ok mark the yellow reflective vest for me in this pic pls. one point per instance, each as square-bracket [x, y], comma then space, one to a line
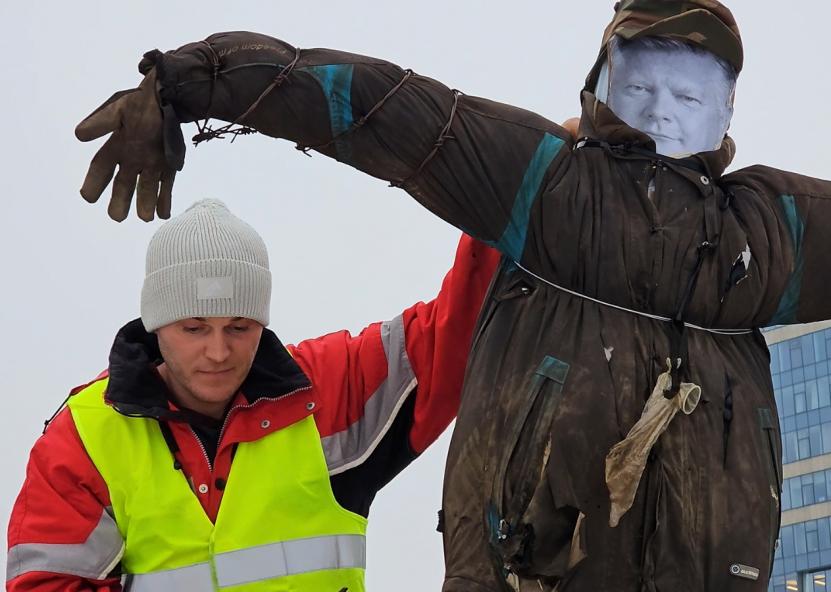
[279, 527]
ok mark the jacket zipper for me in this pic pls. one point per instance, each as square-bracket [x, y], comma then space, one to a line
[228, 416]
[202, 448]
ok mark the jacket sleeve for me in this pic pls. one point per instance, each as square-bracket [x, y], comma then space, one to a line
[793, 212]
[61, 537]
[476, 163]
[417, 359]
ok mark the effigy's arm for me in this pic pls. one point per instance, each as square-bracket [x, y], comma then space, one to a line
[475, 163]
[796, 213]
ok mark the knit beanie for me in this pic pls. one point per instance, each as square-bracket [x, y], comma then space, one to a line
[205, 262]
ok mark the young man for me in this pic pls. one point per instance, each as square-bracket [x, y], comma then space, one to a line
[630, 259]
[209, 456]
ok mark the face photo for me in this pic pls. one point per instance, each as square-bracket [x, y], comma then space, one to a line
[679, 96]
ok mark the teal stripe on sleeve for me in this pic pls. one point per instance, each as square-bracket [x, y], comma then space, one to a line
[786, 312]
[512, 242]
[336, 82]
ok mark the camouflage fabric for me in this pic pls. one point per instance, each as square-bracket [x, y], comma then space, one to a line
[706, 23]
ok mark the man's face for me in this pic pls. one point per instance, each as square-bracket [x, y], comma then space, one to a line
[681, 99]
[207, 359]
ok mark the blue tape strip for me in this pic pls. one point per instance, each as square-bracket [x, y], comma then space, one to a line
[336, 82]
[789, 303]
[493, 524]
[512, 242]
[553, 369]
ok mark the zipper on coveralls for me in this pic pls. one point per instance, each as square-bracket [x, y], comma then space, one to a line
[727, 418]
[655, 227]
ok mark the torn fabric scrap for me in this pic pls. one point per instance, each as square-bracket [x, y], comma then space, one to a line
[627, 459]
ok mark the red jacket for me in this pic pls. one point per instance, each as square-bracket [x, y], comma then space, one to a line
[378, 398]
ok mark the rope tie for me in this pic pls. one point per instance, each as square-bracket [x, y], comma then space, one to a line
[639, 313]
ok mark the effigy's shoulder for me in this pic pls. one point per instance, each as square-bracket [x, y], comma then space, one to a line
[771, 182]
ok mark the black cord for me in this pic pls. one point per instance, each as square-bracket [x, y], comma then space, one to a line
[171, 445]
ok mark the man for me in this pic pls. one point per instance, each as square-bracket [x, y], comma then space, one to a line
[631, 264]
[209, 456]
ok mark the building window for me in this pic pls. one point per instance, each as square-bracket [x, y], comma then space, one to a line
[811, 536]
[799, 538]
[820, 489]
[790, 447]
[795, 487]
[807, 490]
[804, 445]
[815, 436]
[784, 358]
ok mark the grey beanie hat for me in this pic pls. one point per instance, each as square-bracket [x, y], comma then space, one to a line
[205, 262]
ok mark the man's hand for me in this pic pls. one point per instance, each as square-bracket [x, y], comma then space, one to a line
[571, 126]
[136, 147]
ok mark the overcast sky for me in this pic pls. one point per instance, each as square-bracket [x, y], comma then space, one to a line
[345, 249]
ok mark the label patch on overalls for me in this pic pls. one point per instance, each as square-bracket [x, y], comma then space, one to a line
[744, 571]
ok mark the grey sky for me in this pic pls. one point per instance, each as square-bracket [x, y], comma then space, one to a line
[345, 249]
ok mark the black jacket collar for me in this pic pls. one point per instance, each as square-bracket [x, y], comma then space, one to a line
[136, 389]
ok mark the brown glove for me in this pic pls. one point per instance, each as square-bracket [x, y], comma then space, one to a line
[137, 146]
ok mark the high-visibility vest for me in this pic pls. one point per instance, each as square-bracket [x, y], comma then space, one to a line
[279, 527]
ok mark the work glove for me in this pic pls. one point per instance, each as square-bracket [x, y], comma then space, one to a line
[146, 145]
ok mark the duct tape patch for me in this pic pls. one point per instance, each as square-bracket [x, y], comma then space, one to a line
[744, 571]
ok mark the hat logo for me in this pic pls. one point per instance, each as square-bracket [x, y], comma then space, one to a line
[214, 288]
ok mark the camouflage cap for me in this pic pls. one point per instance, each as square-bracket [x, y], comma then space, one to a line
[706, 23]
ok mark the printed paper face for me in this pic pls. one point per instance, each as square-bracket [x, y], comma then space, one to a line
[681, 99]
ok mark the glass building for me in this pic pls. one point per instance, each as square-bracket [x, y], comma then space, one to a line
[800, 366]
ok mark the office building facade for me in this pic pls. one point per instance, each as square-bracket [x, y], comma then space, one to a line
[801, 371]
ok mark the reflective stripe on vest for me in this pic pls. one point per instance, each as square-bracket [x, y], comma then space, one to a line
[279, 527]
[261, 563]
